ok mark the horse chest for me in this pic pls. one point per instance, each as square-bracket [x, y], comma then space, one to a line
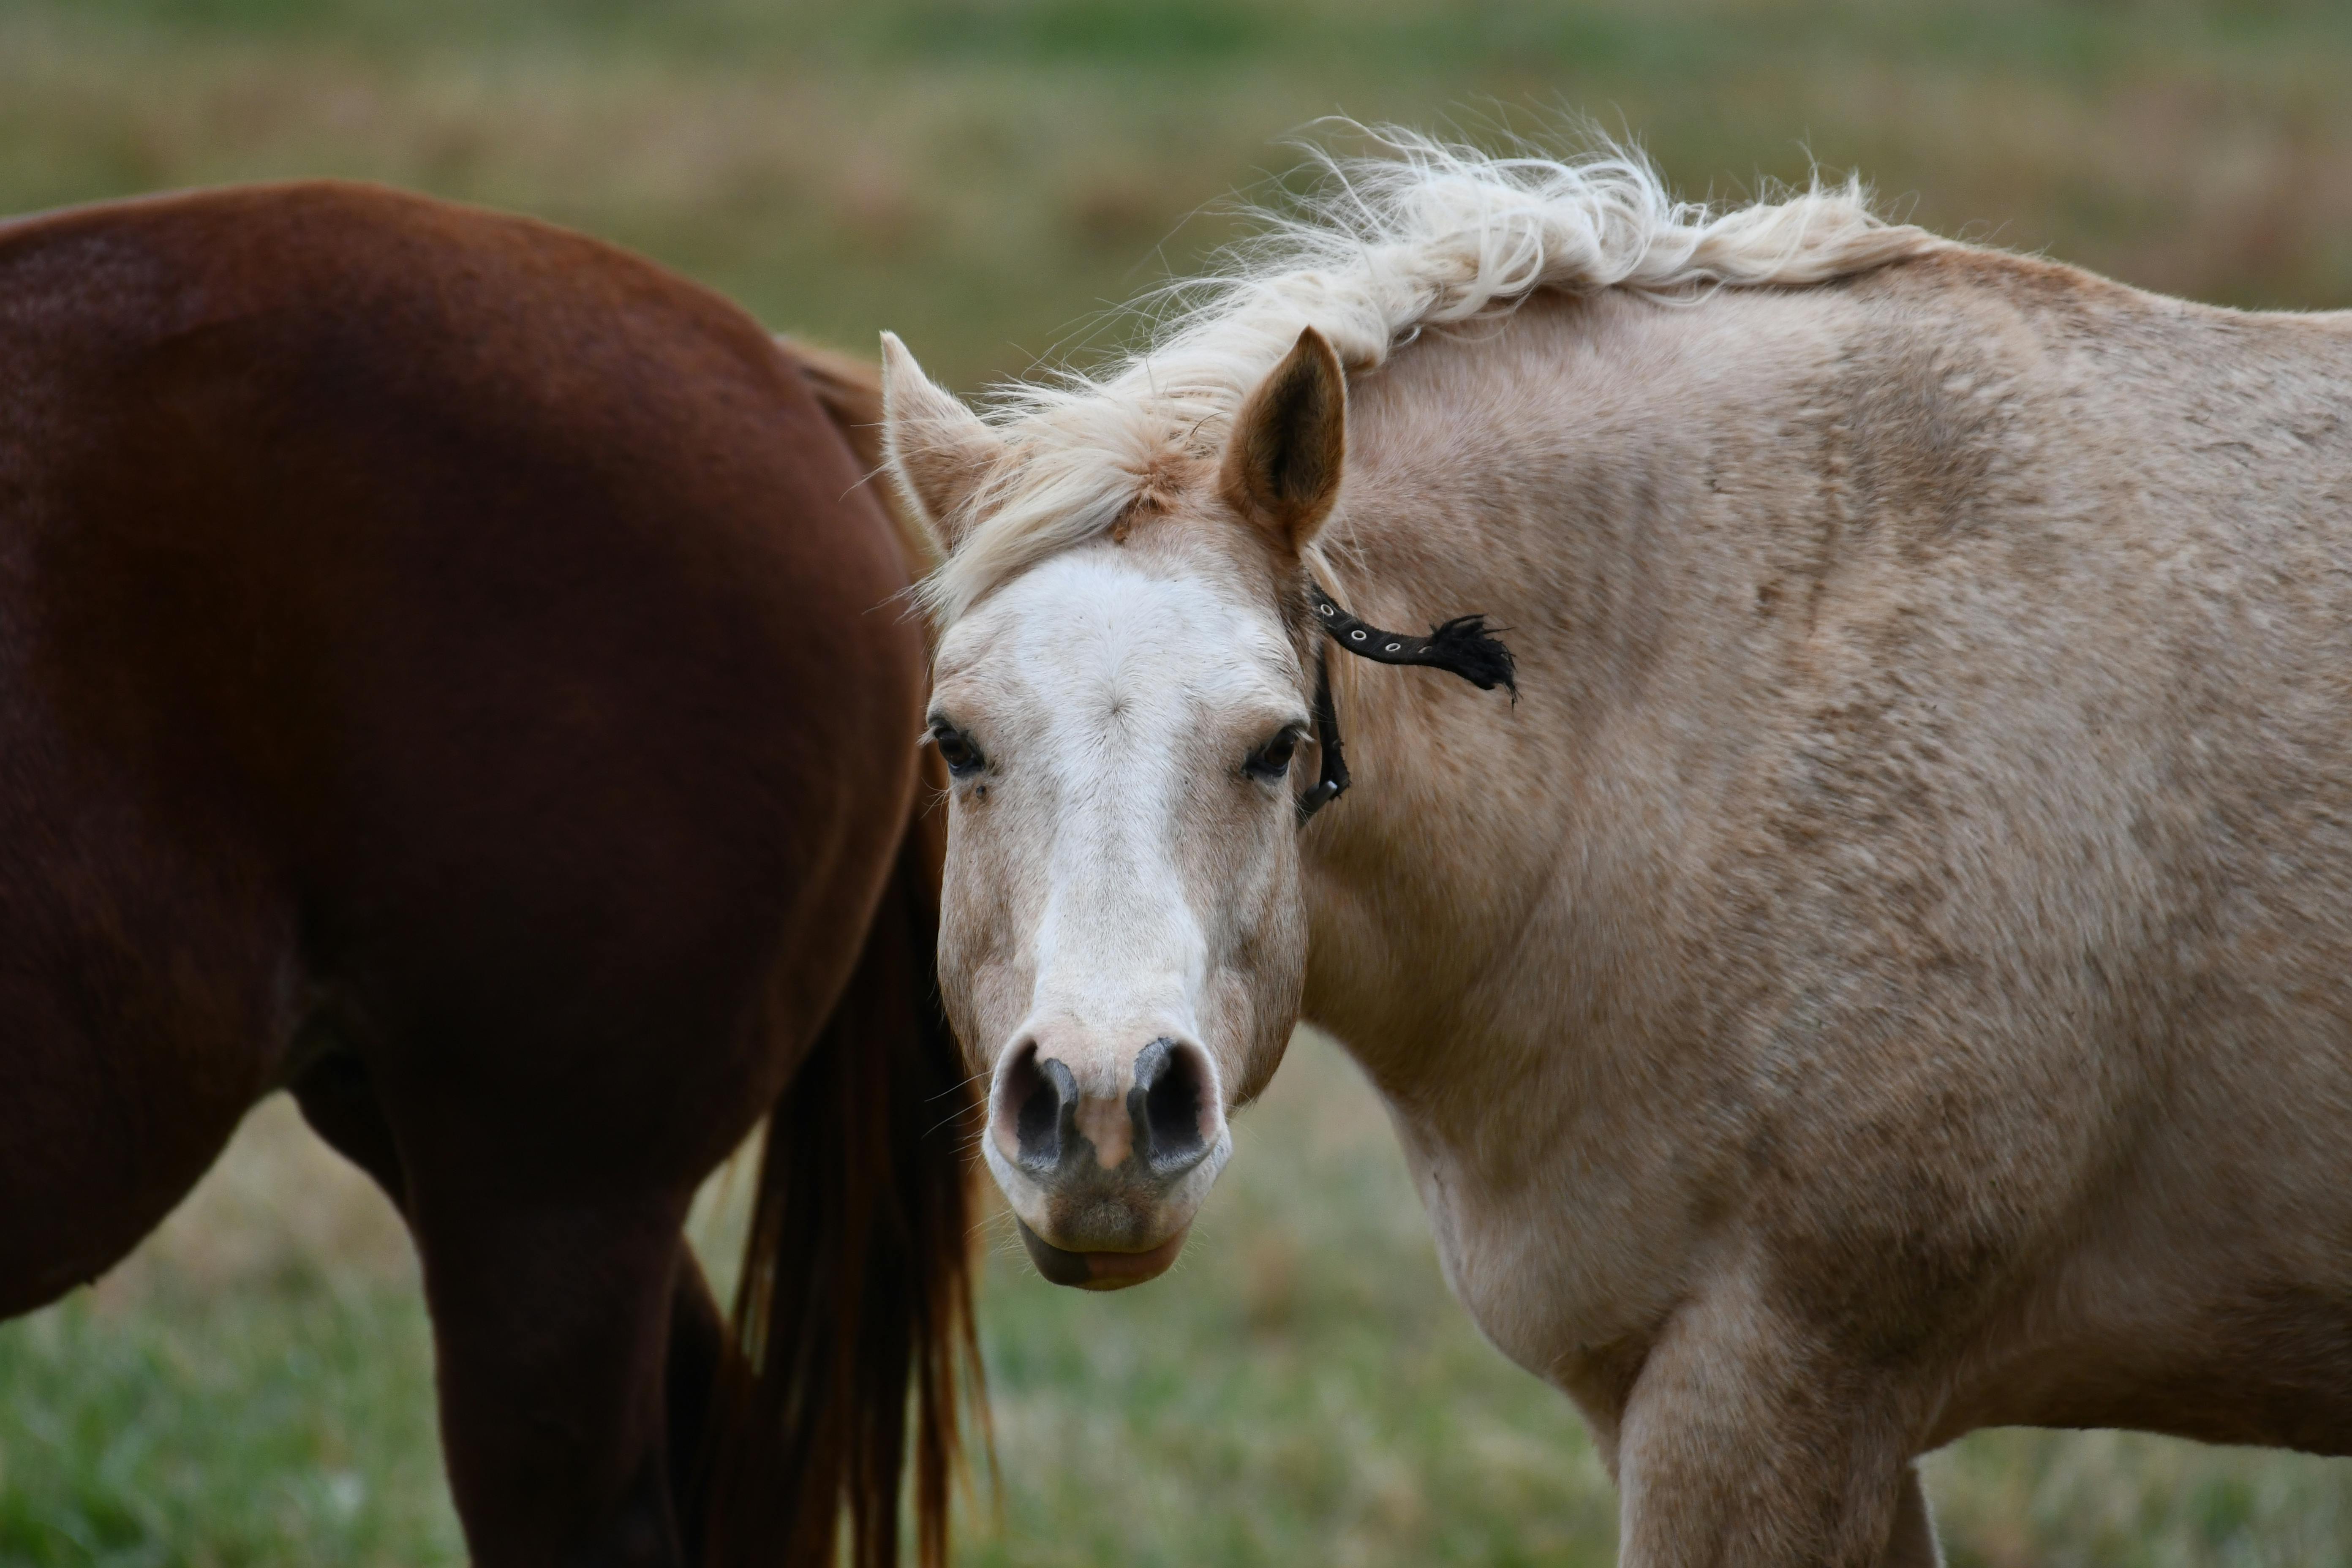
[1553, 1267]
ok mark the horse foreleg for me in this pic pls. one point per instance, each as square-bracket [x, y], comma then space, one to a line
[1741, 1448]
[551, 1335]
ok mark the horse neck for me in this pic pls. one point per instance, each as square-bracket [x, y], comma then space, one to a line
[1499, 876]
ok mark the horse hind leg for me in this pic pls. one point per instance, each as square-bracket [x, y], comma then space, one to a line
[552, 1294]
[1913, 1543]
[340, 1103]
[342, 1106]
[551, 1323]
[697, 1353]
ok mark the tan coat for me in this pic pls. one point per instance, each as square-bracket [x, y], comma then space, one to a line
[1894, 966]
[1890, 971]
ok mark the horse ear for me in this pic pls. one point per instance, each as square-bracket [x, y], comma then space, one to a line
[1290, 444]
[938, 450]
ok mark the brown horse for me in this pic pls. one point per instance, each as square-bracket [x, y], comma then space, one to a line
[449, 669]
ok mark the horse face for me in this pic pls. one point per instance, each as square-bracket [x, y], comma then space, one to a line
[1122, 934]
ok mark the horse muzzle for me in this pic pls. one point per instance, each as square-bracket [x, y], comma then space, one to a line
[1105, 1185]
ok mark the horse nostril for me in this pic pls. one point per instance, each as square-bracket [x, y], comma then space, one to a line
[1169, 1104]
[1043, 1099]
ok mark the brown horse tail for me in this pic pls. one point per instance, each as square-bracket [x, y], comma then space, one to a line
[850, 390]
[856, 1282]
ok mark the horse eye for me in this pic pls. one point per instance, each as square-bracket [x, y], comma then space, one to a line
[956, 749]
[1272, 759]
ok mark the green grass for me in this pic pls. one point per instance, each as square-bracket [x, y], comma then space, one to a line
[989, 177]
[255, 1388]
[284, 1426]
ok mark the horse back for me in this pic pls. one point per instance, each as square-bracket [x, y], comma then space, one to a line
[2083, 643]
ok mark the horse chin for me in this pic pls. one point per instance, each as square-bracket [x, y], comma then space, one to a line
[1100, 1270]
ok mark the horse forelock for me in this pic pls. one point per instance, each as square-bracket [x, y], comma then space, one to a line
[1421, 234]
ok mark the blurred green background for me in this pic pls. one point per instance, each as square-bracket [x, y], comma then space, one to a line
[989, 177]
[984, 176]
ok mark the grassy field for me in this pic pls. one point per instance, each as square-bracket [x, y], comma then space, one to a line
[989, 177]
[254, 1387]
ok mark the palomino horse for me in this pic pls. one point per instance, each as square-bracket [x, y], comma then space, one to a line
[1889, 974]
[448, 673]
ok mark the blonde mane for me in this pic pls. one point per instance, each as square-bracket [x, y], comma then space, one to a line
[1423, 234]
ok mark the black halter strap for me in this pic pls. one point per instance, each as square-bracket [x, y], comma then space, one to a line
[1333, 784]
[1462, 645]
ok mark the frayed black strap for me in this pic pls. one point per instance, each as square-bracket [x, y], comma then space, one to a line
[1462, 645]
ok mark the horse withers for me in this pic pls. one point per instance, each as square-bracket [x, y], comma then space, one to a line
[449, 668]
[1889, 973]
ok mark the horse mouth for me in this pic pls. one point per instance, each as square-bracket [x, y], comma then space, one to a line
[1099, 1270]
